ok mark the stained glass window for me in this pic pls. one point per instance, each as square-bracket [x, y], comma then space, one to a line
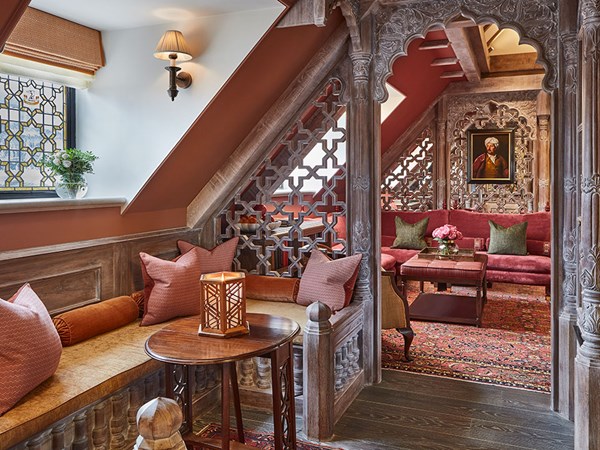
[33, 123]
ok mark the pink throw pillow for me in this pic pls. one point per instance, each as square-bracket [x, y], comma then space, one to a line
[328, 281]
[172, 288]
[30, 348]
[219, 259]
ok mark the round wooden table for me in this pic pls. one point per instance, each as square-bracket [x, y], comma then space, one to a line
[178, 344]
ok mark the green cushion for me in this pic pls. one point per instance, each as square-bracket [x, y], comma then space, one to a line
[410, 235]
[508, 241]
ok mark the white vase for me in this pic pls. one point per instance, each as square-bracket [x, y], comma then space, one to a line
[68, 190]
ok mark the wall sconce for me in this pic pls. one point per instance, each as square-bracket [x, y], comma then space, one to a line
[172, 47]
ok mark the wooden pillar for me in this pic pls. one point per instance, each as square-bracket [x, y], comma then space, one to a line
[566, 182]
[363, 196]
[542, 154]
[318, 361]
[441, 157]
[587, 363]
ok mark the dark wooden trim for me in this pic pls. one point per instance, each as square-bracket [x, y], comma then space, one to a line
[11, 23]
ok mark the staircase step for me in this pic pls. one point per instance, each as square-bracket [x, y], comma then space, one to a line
[434, 45]
[444, 62]
[454, 74]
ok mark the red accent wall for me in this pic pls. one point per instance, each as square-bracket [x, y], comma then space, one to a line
[414, 76]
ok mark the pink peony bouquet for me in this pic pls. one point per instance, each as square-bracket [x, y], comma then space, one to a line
[446, 233]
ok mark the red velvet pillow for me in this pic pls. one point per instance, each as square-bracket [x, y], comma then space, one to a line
[219, 259]
[30, 348]
[328, 281]
[172, 288]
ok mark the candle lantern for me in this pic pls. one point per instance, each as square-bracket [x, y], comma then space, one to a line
[223, 304]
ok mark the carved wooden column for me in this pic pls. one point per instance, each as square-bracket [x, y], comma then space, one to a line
[567, 210]
[587, 363]
[542, 153]
[363, 202]
[441, 156]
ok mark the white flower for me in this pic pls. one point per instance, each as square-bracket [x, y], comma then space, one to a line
[56, 161]
[62, 155]
[66, 163]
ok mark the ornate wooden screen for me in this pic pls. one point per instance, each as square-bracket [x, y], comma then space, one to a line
[408, 185]
[513, 112]
[295, 201]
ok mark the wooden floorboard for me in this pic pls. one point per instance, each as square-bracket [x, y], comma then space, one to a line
[408, 411]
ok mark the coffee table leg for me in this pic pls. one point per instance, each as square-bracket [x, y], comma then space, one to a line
[225, 420]
[284, 412]
[236, 402]
[478, 306]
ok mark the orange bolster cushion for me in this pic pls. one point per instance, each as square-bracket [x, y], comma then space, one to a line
[89, 321]
[272, 289]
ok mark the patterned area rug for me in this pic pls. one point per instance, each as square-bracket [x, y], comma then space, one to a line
[512, 348]
[257, 439]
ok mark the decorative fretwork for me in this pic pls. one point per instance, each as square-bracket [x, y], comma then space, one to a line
[295, 201]
[408, 185]
[507, 198]
[32, 124]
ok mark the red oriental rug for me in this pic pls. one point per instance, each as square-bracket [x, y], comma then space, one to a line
[512, 348]
[260, 440]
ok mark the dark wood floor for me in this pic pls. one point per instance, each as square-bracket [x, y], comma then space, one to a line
[419, 412]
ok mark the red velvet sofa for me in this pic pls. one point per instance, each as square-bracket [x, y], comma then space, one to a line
[533, 268]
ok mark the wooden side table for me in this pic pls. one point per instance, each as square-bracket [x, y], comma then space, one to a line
[181, 348]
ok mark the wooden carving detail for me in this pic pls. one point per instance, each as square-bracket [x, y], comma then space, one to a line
[398, 22]
[408, 185]
[347, 358]
[508, 110]
[301, 185]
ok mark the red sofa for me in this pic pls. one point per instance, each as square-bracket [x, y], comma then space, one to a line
[533, 268]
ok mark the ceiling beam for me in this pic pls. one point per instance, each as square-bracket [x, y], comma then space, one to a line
[434, 45]
[464, 52]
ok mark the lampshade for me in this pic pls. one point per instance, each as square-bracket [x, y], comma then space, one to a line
[172, 43]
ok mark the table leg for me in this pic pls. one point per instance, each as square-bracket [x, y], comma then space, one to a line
[284, 412]
[484, 290]
[478, 306]
[236, 403]
[179, 385]
[225, 420]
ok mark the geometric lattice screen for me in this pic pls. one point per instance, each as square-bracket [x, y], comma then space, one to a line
[408, 185]
[295, 201]
[517, 197]
[32, 124]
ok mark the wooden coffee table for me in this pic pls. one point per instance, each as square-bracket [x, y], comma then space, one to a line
[181, 348]
[447, 307]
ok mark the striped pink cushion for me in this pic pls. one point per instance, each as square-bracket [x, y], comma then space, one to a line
[174, 287]
[219, 259]
[328, 281]
[30, 348]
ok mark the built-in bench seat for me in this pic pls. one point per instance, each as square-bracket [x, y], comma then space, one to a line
[88, 373]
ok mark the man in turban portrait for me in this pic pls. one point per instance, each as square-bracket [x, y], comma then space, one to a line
[490, 164]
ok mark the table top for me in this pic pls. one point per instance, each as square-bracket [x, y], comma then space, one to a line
[179, 342]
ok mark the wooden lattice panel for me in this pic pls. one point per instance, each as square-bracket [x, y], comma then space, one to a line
[295, 201]
[507, 198]
[408, 185]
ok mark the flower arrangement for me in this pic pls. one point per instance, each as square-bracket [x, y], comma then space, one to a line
[71, 164]
[446, 233]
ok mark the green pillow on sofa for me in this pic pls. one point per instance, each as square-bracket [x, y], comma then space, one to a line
[508, 241]
[410, 235]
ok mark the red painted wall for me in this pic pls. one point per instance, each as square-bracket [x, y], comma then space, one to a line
[421, 83]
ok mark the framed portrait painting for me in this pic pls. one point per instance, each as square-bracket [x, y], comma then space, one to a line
[491, 156]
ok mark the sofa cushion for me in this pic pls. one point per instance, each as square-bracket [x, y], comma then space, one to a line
[328, 281]
[535, 247]
[472, 223]
[91, 320]
[401, 255]
[219, 259]
[173, 286]
[410, 235]
[30, 347]
[388, 262]
[437, 218]
[508, 241]
[512, 263]
[273, 289]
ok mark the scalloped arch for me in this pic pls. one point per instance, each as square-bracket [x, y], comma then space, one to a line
[396, 25]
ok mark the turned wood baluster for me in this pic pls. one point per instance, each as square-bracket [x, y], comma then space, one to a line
[263, 376]
[118, 421]
[100, 431]
[80, 438]
[201, 379]
[246, 369]
[158, 422]
[59, 437]
[136, 400]
[339, 371]
[298, 371]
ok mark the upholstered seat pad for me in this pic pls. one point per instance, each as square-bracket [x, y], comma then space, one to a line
[292, 311]
[401, 255]
[445, 268]
[87, 372]
[388, 262]
[521, 263]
